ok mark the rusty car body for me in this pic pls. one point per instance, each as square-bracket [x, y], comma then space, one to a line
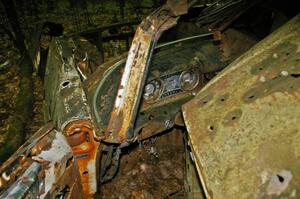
[242, 122]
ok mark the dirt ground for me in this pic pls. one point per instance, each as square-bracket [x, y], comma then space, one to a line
[152, 169]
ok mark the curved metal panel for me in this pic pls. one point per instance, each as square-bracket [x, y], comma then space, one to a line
[244, 125]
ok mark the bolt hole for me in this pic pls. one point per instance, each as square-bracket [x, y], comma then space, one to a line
[295, 75]
[260, 68]
[233, 118]
[165, 112]
[250, 97]
[287, 54]
[211, 128]
[222, 100]
[85, 173]
[151, 117]
[204, 102]
[142, 113]
[87, 138]
[280, 178]
[66, 83]
[65, 59]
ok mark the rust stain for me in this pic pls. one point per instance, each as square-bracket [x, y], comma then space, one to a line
[245, 121]
[133, 79]
[79, 135]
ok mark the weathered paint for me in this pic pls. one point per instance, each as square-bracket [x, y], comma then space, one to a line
[133, 79]
[67, 106]
[80, 137]
[244, 124]
[193, 186]
[54, 155]
[25, 184]
[65, 99]
[42, 168]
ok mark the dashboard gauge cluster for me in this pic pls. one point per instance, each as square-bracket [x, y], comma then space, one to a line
[170, 85]
[174, 77]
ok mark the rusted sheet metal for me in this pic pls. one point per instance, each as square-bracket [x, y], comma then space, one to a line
[42, 168]
[192, 183]
[244, 125]
[58, 158]
[65, 99]
[66, 105]
[219, 15]
[80, 137]
[133, 79]
[18, 162]
[27, 183]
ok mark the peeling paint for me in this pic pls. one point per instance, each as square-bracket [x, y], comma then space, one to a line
[279, 182]
[242, 141]
[130, 90]
[55, 154]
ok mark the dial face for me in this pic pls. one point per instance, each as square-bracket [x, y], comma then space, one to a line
[170, 85]
[189, 80]
[153, 90]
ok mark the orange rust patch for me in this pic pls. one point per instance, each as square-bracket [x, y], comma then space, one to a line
[79, 135]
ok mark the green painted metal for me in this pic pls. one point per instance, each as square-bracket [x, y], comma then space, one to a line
[193, 186]
[65, 99]
[244, 125]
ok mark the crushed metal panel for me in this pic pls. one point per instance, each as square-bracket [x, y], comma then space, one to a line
[43, 167]
[67, 106]
[244, 126]
[27, 184]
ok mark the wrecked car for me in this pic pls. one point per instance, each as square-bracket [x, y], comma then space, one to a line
[237, 110]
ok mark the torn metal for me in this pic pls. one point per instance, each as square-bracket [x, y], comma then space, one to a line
[44, 168]
[66, 105]
[235, 123]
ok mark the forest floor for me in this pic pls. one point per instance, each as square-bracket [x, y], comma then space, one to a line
[152, 170]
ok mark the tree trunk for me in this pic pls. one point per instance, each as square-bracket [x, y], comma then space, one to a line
[121, 7]
[12, 17]
[23, 108]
